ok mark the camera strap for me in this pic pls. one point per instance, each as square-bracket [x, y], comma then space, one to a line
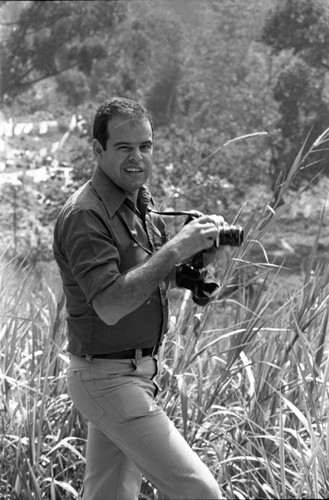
[191, 213]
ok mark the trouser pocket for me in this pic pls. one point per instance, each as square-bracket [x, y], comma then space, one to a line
[82, 394]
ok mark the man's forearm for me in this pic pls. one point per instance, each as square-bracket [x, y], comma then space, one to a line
[131, 289]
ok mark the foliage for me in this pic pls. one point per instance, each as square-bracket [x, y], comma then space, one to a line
[301, 26]
[56, 191]
[221, 85]
[223, 92]
[145, 62]
[22, 232]
[82, 161]
[29, 208]
[299, 29]
[195, 172]
[49, 38]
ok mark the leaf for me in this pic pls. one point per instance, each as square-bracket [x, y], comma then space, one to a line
[182, 388]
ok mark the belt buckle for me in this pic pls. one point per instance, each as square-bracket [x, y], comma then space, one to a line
[138, 356]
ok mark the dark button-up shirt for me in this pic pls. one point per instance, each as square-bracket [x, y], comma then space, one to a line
[98, 237]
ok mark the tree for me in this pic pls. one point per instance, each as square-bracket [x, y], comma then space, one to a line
[51, 37]
[297, 32]
[222, 92]
[22, 234]
[148, 60]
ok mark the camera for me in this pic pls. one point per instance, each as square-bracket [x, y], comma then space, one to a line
[228, 235]
[193, 275]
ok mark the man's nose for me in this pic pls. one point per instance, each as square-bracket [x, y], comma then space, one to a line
[135, 154]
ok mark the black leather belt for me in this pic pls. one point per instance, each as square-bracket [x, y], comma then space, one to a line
[127, 354]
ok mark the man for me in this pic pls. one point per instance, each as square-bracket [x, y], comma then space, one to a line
[116, 263]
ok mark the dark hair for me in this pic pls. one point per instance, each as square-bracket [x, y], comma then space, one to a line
[118, 106]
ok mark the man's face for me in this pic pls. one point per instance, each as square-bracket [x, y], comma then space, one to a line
[127, 160]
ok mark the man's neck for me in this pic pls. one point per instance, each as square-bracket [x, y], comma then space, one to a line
[132, 197]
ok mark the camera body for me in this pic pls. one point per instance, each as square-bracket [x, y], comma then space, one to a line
[192, 275]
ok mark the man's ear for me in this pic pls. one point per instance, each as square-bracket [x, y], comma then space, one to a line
[97, 149]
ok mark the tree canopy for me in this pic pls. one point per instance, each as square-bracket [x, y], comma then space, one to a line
[49, 38]
[297, 31]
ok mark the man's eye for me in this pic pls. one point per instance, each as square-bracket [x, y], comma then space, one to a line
[146, 147]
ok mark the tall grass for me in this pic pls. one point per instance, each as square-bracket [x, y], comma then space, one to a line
[42, 435]
[249, 395]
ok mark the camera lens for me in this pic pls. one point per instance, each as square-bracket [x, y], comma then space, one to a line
[231, 236]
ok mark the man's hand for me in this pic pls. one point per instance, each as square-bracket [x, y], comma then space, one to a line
[212, 254]
[198, 235]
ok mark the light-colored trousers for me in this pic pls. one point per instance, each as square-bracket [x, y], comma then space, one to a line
[129, 435]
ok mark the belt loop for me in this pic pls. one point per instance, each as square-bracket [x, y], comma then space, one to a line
[155, 350]
[138, 356]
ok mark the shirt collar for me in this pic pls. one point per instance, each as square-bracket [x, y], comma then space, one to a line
[113, 196]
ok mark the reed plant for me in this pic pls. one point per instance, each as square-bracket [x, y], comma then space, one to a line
[244, 378]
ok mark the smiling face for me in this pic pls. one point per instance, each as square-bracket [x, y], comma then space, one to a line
[127, 159]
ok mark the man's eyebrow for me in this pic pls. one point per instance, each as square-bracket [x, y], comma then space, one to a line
[122, 143]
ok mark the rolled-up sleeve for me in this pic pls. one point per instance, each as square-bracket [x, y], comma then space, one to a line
[88, 246]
